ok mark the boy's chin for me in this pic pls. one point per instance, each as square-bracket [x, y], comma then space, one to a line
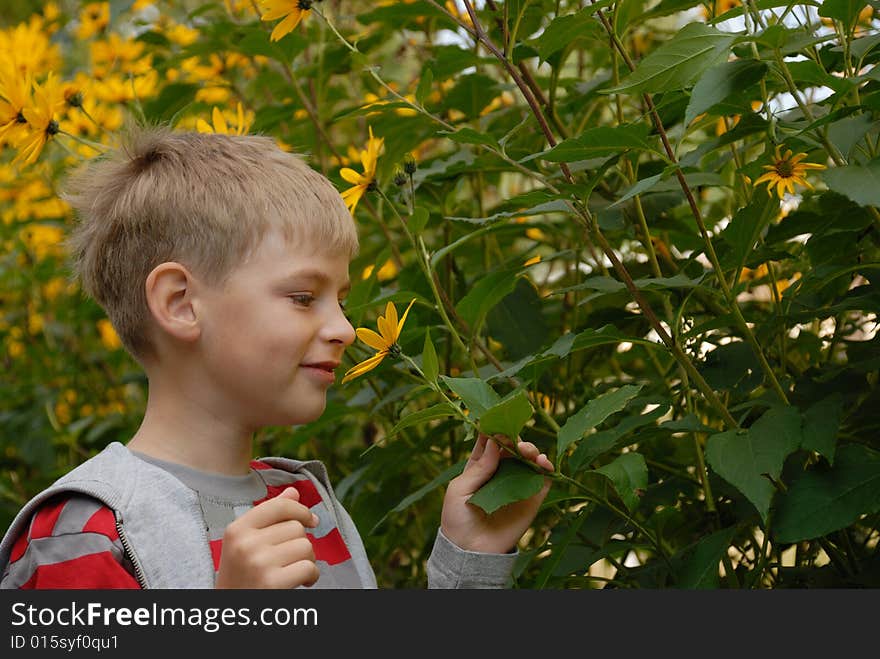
[301, 417]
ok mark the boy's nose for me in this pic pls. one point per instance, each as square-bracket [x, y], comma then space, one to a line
[342, 330]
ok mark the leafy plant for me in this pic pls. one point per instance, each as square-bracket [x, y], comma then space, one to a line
[641, 235]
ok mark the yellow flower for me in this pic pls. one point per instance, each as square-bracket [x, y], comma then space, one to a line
[786, 171]
[14, 95]
[385, 341]
[220, 125]
[108, 335]
[293, 12]
[386, 272]
[362, 182]
[47, 101]
[93, 19]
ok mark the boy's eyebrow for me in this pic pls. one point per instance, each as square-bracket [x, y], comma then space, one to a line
[317, 275]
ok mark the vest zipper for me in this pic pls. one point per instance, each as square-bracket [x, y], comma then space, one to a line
[138, 572]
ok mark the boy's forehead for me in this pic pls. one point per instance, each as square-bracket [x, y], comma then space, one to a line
[317, 275]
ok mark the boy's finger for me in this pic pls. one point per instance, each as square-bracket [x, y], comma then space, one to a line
[479, 447]
[527, 450]
[280, 509]
[304, 573]
[477, 472]
[283, 531]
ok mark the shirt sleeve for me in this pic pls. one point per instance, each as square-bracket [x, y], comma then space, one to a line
[71, 543]
[450, 566]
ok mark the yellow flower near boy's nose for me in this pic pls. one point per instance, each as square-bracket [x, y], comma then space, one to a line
[109, 337]
[385, 341]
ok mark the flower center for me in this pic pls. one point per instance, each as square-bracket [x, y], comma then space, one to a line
[394, 350]
[304, 5]
[784, 168]
[52, 128]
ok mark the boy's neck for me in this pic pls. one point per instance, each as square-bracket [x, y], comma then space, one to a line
[184, 432]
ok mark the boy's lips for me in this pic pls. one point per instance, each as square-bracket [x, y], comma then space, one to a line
[327, 365]
[322, 371]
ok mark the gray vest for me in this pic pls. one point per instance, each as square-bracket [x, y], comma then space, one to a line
[159, 519]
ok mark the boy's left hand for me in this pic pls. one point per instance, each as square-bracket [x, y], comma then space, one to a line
[469, 526]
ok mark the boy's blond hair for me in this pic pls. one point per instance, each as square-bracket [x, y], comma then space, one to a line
[202, 200]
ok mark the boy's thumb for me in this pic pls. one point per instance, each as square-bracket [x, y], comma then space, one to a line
[290, 493]
[482, 469]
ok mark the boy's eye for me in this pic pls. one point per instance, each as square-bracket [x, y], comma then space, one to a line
[304, 300]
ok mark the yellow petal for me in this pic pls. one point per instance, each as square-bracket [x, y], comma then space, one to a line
[351, 176]
[372, 339]
[287, 25]
[364, 366]
[275, 10]
[240, 116]
[219, 122]
[403, 318]
[203, 126]
[352, 196]
[386, 330]
[391, 317]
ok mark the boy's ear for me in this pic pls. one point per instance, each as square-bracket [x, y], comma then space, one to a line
[169, 288]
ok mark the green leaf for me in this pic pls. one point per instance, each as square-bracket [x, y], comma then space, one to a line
[594, 413]
[418, 220]
[570, 342]
[745, 228]
[562, 31]
[425, 82]
[485, 294]
[444, 477]
[721, 82]
[846, 11]
[173, 98]
[471, 94]
[605, 440]
[597, 142]
[629, 475]
[507, 417]
[474, 392]
[688, 423]
[470, 136]
[701, 570]
[430, 366]
[847, 133]
[512, 481]
[437, 411]
[640, 187]
[678, 62]
[827, 499]
[821, 423]
[861, 183]
[518, 321]
[743, 457]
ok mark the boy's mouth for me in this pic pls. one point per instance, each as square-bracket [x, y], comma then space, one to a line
[328, 366]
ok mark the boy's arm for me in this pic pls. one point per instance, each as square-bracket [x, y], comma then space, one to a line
[474, 549]
[450, 566]
[72, 543]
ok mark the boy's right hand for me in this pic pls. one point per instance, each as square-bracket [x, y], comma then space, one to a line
[267, 547]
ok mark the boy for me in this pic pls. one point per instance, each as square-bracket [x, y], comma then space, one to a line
[222, 262]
